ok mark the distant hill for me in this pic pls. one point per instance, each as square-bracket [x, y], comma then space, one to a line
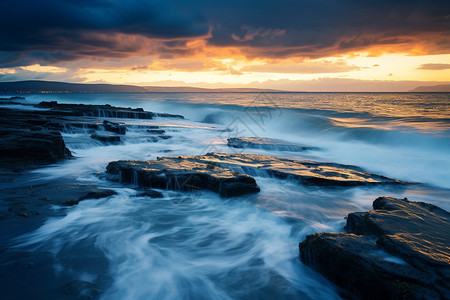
[40, 86]
[434, 88]
[187, 89]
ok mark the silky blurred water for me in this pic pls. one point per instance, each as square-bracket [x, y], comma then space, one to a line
[200, 246]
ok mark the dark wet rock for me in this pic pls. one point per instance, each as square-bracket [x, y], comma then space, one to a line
[184, 173]
[151, 194]
[106, 138]
[400, 250]
[73, 126]
[32, 137]
[114, 127]
[267, 144]
[94, 193]
[156, 131]
[32, 146]
[102, 111]
[98, 193]
[28, 139]
[305, 172]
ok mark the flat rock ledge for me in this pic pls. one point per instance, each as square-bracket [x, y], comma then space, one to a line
[267, 144]
[304, 172]
[102, 111]
[399, 250]
[183, 173]
[231, 174]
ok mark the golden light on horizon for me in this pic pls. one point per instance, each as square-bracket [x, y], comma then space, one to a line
[239, 71]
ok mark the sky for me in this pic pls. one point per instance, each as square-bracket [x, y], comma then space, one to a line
[301, 45]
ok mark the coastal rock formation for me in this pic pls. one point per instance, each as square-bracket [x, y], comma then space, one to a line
[304, 172]
[27, 139]
[399, 250]
[266, 144]
[102, 111]
[224, 173]
[32, 136]
[183, 173]
[30, 146]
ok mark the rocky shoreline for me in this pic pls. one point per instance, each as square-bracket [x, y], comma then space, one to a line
[33, 137]
[399, 250]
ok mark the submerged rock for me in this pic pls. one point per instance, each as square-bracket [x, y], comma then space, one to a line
[32, 200]
[183, 173]
[150, 193]
[400, 250]
[96, 193]
[267, 144]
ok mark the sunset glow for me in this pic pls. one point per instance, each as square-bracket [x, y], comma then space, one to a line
[223, 45]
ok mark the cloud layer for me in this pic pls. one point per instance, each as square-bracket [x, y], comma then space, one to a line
[52, 31]
[434, 67]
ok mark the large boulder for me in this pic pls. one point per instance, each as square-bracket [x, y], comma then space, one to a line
[400, 250]
[24, 146]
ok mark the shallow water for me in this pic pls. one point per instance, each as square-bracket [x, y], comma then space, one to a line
[199, 246]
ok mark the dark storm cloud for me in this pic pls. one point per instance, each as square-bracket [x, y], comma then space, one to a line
[30, 22]
[49, 31]
[88, 28]
[319, 26]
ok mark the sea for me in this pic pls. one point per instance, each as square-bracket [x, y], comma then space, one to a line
[200, 246]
